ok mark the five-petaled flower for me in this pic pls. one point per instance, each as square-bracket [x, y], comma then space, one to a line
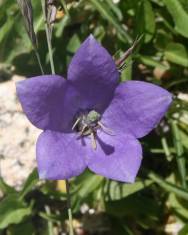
[91, 120]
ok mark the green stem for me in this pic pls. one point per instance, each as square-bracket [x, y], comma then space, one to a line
[39, 61]
[180, 158]
[71, 230]
[48, 38]
[50, 224]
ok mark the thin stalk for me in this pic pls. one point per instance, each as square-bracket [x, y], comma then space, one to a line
[180, 158]
[71, 230]
[166, 148]
[48, 38]
[39, 61]
[50, 224]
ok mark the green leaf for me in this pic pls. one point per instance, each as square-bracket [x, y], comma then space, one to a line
[177, 53]
[149, 21]
[169, 187]
[150, 61]
[179, 208]
[116, 191]
[90, 184]
[29, 184]
[166, 148]
[50, 224]
[179, 15]
[135, 205]
[72, 46]
[5, 187]
[22, 228]
[104, 11]
[184, 230]
[5, 29]
[179, 153]
[162, 39]
[145, 20]
[184, 138]
[12, 211]
[115, 9]
[60, 27]
[16, 40]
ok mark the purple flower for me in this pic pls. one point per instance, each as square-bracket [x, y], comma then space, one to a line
[90, 120]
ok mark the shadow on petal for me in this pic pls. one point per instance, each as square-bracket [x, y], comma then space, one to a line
[108, 149]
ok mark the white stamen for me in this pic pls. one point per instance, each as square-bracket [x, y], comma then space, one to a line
[93, 141]
[76, 123]
[83, 129]
[105, 129]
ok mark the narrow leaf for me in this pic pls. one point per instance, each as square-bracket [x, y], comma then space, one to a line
[6, 189]
[169, 187]
[116, 191]
[177, 53]
[101, 7]
[179, 153]
[12, 211]
[29, 184]
[179, 15]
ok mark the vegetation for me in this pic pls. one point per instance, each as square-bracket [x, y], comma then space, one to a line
[159, 197]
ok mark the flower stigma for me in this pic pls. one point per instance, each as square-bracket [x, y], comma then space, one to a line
[86, 123]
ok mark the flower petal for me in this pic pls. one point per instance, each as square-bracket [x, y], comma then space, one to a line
[49, 102]
[94, 73]
[59, 155]
[137, 107]
[116, 157]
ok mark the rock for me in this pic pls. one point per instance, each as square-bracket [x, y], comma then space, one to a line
[17, 135]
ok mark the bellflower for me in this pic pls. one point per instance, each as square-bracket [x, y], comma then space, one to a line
[90, 120]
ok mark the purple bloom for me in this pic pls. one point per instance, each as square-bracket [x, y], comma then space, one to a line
[89, 120]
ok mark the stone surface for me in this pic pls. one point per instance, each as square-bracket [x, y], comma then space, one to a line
[17, 137]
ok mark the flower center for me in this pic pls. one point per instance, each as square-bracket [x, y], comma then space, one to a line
[86, 123]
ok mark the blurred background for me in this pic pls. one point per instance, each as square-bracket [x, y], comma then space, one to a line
[157, 203]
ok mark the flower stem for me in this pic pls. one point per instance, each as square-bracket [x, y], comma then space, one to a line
[71, 230]
[48, 38]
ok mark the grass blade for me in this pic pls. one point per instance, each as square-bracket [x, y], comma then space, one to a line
[179, 153]
[169, 187]
[100, 6]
